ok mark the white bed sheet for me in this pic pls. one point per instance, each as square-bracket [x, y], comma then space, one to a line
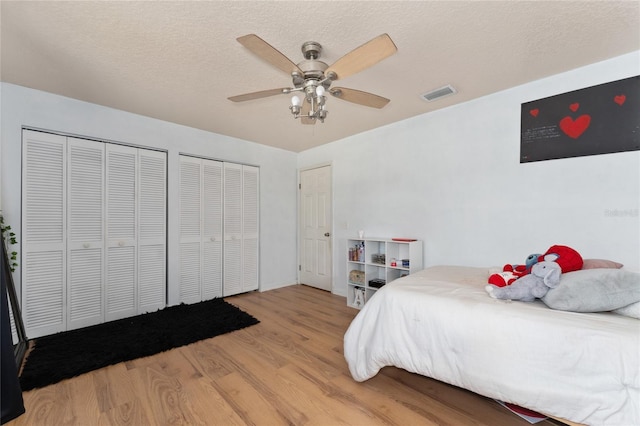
[441, 323]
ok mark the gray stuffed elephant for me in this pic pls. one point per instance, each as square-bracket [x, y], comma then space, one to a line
[544, 275]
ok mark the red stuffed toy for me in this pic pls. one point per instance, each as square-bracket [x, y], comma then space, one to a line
[502, 279]
[568, 259]
[510, 273]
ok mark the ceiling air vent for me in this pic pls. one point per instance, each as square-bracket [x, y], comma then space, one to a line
[438, 93]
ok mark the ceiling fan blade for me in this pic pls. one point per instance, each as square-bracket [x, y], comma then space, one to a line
[306, 107]
[258, 95]
[359, 97]
[363, 57]
[268, 53]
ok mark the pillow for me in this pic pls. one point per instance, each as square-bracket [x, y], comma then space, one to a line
[632, 310]
[594, 290]
[600, 263]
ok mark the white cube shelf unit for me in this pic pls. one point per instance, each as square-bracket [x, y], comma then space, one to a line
[374, 262]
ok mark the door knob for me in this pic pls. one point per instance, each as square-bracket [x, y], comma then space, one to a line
[326, 234]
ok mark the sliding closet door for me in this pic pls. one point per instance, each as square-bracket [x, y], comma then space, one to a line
[152, 230]
[44, 233]
[121, 261]
[85, 232]
[212, 238]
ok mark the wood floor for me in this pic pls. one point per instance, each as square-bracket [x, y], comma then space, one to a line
[287, 370]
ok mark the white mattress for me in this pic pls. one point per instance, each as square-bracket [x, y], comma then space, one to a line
[441, 323]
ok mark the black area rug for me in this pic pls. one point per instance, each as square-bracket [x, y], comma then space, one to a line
[71, 353]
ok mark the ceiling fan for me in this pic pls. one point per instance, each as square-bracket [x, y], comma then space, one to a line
[313, 78]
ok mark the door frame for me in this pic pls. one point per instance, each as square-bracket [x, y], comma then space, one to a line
[299, 221]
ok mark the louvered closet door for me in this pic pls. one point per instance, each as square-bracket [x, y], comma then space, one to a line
[121, 285]
[44, 295]
[250, 221]
[85, 233]
[232, 229]
[212, 237]
[190, 229]
[152, 229]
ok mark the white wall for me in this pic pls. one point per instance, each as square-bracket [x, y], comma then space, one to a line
[453, 179]
[26, 107]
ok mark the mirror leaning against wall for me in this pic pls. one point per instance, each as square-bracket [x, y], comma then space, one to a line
[14, 343]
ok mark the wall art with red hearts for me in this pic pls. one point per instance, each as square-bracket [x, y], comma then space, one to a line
[601, 119]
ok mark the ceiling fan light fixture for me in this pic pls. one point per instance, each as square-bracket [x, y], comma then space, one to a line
[438, 93]
[312, 77]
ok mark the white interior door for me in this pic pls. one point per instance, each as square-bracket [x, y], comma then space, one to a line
[315, 228]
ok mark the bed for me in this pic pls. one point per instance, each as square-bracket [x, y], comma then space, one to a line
[441, 323]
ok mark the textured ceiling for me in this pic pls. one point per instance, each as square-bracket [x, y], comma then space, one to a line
[179, 61]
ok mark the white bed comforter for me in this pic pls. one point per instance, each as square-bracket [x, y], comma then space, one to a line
[441, 323]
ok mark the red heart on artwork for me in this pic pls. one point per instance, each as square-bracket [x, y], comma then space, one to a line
[619, 99]
[574, 129]
[534, 112]
[574, 107]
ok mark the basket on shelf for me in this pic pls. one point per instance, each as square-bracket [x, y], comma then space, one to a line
[356, 277]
